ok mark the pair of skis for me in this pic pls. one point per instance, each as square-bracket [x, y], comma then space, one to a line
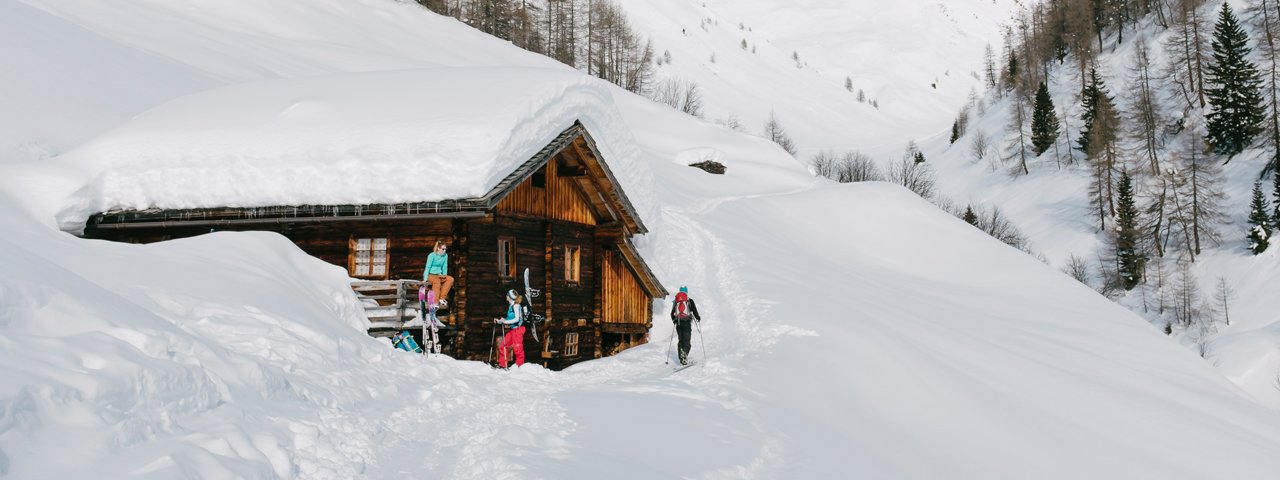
[430, 332]
[430, 322]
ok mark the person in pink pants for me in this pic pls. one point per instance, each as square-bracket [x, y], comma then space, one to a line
[514, 338]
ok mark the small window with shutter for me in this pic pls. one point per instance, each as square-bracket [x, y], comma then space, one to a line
[368, 258]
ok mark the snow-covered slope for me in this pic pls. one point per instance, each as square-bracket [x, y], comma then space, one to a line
[917, 59]
[849, 330]
[1051, 207]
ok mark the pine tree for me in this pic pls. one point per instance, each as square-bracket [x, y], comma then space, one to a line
[1098, 142]
[1013, 71]
[1129, 259]
[970, 217]
[955, 130]
[1044, 122]
[1260, 230]
[1235, 93]
[1091, 100]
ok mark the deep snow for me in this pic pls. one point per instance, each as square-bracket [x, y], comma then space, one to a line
[850, 329]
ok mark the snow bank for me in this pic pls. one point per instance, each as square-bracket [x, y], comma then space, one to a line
[383, 137]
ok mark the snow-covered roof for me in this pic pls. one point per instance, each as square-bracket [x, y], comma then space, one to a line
[381, 137]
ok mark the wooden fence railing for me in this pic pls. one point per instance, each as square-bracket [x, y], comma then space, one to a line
[388, 304]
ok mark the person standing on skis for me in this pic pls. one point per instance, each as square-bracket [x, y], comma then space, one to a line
[683, 313]
[514, 338]
[436, 273]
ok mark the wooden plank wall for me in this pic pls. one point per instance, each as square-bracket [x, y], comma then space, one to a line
[560, 198]
[624, 300]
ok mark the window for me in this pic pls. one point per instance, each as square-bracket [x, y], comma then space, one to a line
[507, 257]
[368, 257]
[571, 344]
[539, 178]
[572, 263]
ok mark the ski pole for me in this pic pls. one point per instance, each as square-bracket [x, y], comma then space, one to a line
[669, 339]
[493, 336]
[698, 323]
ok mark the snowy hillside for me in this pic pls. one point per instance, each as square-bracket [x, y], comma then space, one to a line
[917, 59]
[1051, 205]
[850, 330]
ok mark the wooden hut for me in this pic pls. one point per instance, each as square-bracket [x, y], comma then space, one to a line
[561, 215]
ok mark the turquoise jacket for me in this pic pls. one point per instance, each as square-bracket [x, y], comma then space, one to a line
[436, 265]
[514, 318]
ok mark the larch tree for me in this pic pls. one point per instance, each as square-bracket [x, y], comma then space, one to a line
[1143, 114]
[1197, 201]
[773, 131]
[1275, 194]
[1224, 294]
[1186, 50]
[1078, 22]
[1267, 21]
[1018, 132]
[989, 76]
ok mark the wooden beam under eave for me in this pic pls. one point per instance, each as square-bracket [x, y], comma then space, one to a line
[589, 190]
[601, 180]
[611, 231]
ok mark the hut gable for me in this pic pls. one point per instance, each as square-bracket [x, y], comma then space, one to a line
[567, 181]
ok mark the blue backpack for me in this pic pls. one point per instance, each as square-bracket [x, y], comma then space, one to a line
[404, 341]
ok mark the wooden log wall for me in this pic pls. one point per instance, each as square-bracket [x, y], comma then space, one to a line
[487, 287]
[408, 242]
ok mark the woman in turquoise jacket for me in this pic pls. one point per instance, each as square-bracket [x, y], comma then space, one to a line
[436, 273]
[513, 339]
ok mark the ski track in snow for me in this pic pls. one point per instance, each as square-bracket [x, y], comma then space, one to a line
[477, 422]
